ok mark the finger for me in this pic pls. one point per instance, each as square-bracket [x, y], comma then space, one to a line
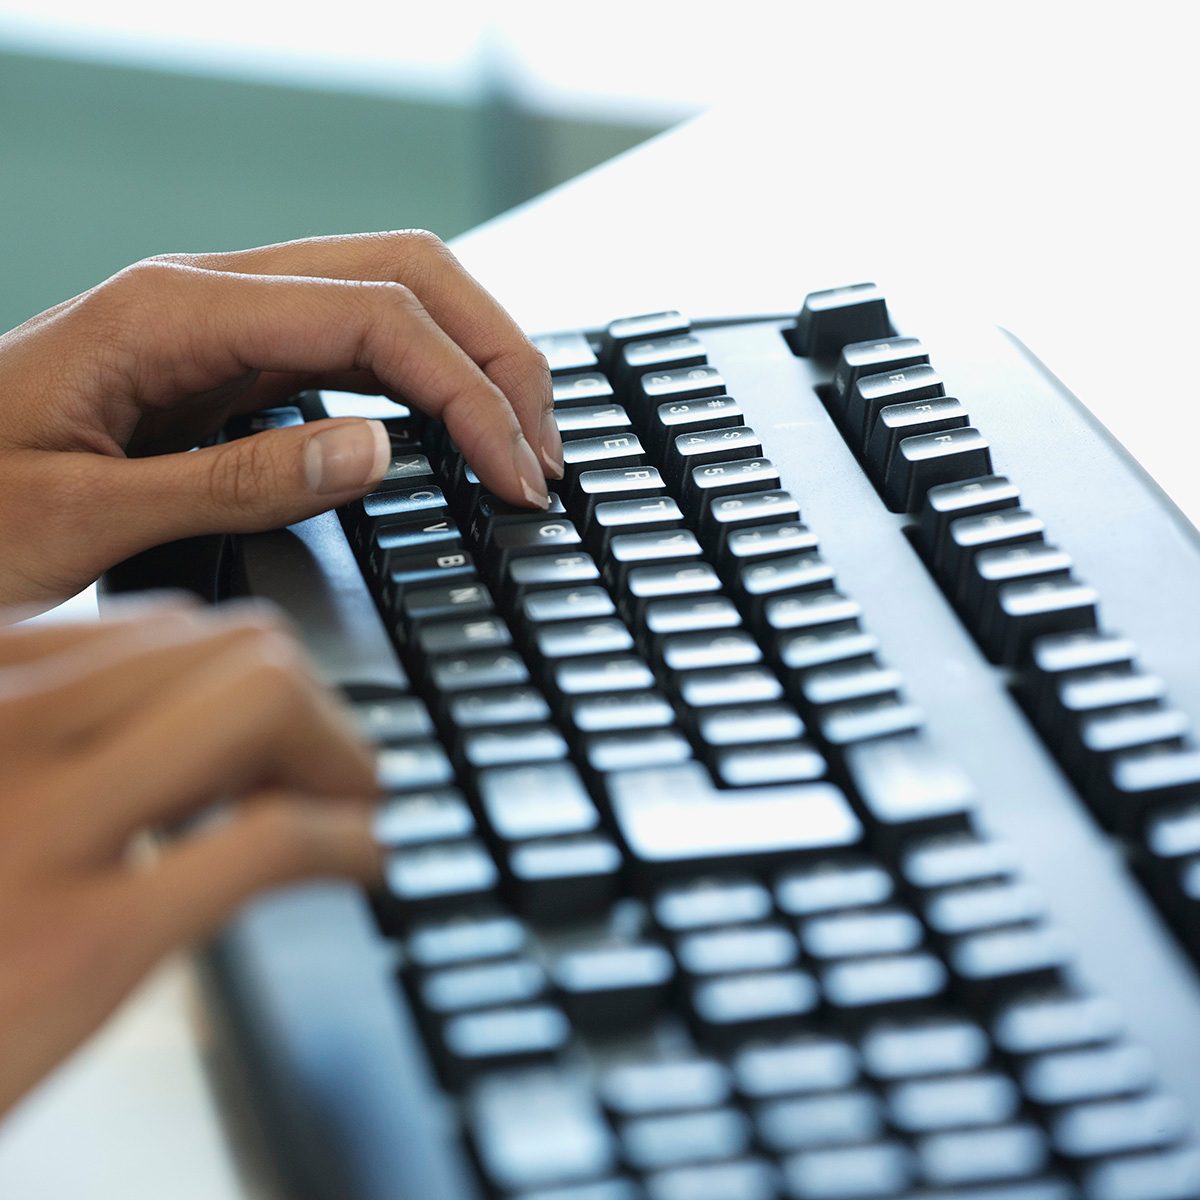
[193, 329]
[199, 882]
[26, 643]
[66, 700]
[455, 300]
[251, 717]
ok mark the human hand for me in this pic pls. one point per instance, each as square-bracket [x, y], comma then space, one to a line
[109, 728]
[100, 395]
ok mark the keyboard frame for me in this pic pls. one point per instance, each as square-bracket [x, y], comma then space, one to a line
[340, 1075]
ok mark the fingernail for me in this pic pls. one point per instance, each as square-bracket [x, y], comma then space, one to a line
[552, 451]
[533, 482]
[347, 457]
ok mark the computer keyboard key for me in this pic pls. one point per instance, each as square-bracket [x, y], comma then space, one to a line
[538, 1129]
[388, 540]
[1005, 1152]
[471, 599]
[708, 902]
[573, 639]
[1095, 1073]
[980, 906]
[728, 685]
[835, 317]
[1140, 782]
[873, 393]
[817, 1122]
[701, 485]
[440, 815]
[674, 819]
[1025, 611]
[804, 1063]
[710, 1135]
[708, 649]
[679, 383]
[883, 930]
[566, 604]
[876, 1171]
[585, 387]
[862, 987]
[733, 950]
[608, 452]
[621, 711]
[907, 788]
[610, 987]
[628, 551]
[736, 1007]
[992, 569]
[644, 586]
[844, 683]
[1109, 1127]
[924, 1046]
[927, 459]
[552, 570]
[742, 1179]
[613, 483]
[566, 352]
[481, 985]
[761, 542]
[444, 875]
[745, 511]
[967, 536]
[562, 879]
[873, 357]
[636, 359]
[633, 751]
[648, 514]
[831, 885]
[1171, 1175]
[461, 635]
[603, 673]
[390, 719]
[549, 535]
[412, 767]
[690, 613]
[953, 859]
[690, 451]
[811, 611]
[489, 513]
[424, 570]
[897, 421]
[591, 420]
[748, 725]
[992, 964]
[757, 582]
[458, 940]
[478, 669]
[641, 327]
[878, 719]
[961, 1102]
[1055, 1020]
[837, 646]
[680, 416]
[537, 801]
[775, 762]
[947, 502]
[498, 706]
[637, 1089]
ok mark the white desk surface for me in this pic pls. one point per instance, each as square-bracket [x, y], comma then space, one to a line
[1060, 204]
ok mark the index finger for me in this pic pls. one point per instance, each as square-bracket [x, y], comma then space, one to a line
[468, 313]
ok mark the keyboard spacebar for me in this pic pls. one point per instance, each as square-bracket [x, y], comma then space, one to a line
[673, 819]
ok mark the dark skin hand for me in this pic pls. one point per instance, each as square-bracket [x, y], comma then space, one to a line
[102, 394]
[166, 711]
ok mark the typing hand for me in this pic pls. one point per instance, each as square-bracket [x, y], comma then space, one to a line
[100, 396]
[108, 728]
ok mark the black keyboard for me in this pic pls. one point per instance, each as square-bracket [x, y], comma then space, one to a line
[804, 806]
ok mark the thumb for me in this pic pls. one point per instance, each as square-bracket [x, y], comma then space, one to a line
[260, 482]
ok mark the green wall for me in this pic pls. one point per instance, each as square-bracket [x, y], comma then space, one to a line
[101, 165]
